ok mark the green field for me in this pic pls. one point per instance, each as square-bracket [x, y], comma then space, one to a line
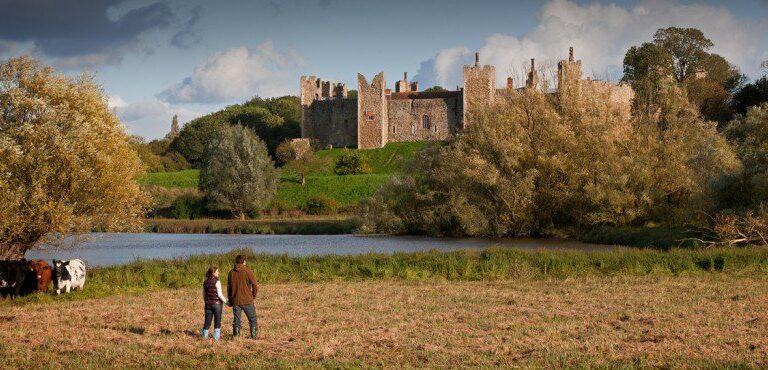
[347, 190]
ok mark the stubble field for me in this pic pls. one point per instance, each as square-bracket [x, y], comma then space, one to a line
[696, 321]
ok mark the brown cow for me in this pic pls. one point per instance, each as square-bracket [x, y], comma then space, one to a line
[42, 271]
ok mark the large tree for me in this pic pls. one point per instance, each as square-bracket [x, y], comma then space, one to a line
[238, 174]
[67, 165]
[687, 46]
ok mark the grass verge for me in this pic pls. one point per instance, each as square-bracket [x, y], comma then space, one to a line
[325, 225]
[488, 265]
[664, 238]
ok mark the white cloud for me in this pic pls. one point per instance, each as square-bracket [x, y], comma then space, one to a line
[150, 119]
[238, 74]
[601, 34]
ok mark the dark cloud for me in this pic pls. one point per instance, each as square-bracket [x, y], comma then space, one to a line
[189, 35]
[74, 30]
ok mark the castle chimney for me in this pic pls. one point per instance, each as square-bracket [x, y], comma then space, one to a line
[405, 76]
[477, 59]
[510, 83]
[533, 65]
[570, 54]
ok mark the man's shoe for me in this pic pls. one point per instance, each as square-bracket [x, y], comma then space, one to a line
[254, 332]
[235, 332]
[205, 333]
[216, 334]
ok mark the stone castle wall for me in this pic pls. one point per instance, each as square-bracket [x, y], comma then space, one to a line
[372, 118]
[479, 87]
[424, 116]
[378, 116]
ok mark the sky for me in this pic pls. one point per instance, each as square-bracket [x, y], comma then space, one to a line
[157, 58]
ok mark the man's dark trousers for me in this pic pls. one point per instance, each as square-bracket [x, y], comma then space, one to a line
[250, 312]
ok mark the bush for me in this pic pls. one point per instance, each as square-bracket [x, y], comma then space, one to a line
[351, 163]
[173, 161]
[321, 205]
[188, 207]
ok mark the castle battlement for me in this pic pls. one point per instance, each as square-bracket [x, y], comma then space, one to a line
[378, 115]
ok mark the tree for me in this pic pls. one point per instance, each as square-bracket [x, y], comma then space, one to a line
[748, 135]
[531, 163]
[647, 68]
[687, 47]
[237, 173]
[435, 89]
[750, 95]
[67, 165]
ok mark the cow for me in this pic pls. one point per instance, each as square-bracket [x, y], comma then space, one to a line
[42, 273]
[12, 276]
[68, 275]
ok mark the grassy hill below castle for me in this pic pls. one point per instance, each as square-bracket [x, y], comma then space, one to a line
[321, 180]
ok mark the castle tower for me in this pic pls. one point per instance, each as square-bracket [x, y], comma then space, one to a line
[402, 85]
[310, 89]
[533, 78]
[372, 119]
[568, 73]
[479, 86]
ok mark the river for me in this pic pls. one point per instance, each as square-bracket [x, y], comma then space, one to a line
[102, 249]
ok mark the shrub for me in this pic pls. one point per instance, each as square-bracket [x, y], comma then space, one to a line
[350, 163]
[321, 205]
[188, 207]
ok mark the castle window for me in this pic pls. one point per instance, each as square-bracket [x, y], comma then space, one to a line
[393, 129]
[369, 116]
[425, 122]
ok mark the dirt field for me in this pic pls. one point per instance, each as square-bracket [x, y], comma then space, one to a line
[711, 321]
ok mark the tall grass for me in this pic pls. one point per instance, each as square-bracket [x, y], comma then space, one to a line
[492, 264]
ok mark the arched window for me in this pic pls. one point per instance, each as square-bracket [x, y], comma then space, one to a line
[425, 122]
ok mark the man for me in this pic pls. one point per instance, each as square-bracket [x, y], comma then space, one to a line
[241, 291]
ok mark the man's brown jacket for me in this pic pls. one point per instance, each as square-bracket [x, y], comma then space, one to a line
[241, 286]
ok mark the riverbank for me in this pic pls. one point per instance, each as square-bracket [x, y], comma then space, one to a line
[704, 321]
[466, 265]
[305, 225]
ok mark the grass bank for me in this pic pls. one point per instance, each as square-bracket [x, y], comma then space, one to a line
[710, 321]
[346, 190]
[306, 225]
[664, 238]
[488, 265]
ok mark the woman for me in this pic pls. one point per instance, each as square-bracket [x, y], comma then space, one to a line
[214, 300]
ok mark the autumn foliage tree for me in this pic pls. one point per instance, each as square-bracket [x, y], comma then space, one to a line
[67, 165]
[532, 163]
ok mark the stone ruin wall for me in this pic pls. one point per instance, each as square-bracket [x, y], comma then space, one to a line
[479, 87]
[328, 117]
[406, 118]
[372, 118]
[377, 116]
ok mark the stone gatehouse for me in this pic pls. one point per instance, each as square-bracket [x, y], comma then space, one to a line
[378, 115]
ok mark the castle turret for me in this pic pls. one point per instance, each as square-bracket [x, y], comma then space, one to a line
[568, 73]
[533, 79]
[479, 87]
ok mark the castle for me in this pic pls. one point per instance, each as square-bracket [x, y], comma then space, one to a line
[378, 115]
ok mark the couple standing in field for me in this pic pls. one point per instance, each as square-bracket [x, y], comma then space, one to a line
[241, 292]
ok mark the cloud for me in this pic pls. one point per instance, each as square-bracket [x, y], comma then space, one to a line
[150, 119]
[239, 73]
[78, 33]
[189, 34]
[601, 34]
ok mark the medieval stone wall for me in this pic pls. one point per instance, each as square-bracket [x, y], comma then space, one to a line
[333, 122]
[424, 119]
[479, 86]
[372, 118]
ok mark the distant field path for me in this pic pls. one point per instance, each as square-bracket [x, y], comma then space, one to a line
[702, 321]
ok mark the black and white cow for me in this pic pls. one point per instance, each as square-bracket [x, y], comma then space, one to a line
[68, 275]
[12, 276]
